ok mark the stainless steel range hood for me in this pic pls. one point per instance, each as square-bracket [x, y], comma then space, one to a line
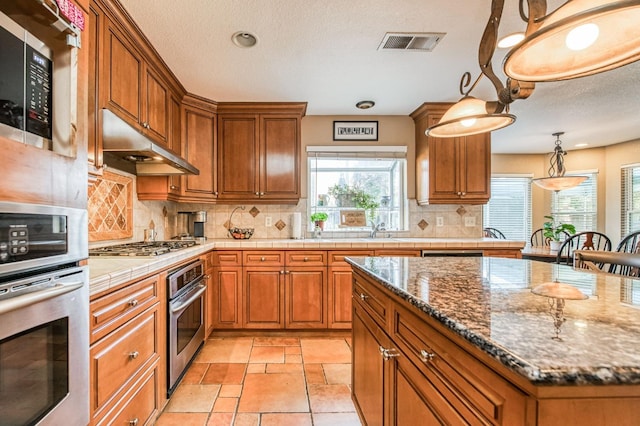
[150, 159]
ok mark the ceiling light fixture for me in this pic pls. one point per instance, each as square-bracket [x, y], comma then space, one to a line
[510, 40]
[579, 38]
[244, 39]
[557, 181]
[365, 104]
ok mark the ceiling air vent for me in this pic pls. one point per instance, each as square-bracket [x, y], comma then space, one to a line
[421, 42]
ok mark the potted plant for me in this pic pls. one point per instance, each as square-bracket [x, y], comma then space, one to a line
[318, 218]
[555, 232]
[343, 194]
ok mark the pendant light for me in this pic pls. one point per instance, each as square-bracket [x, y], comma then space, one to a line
[580, 38]
[557, 181]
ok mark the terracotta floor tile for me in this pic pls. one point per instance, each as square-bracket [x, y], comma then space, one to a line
[267, 354]
[330, 399]
[293, 359]
[194, 374]
[279, 393]
[248, 419]
[314, 374]
[276, 341]
[236, 350]
[193, 398]
[230, 391]
[336, 419]
[182, 419]
[225, 374]
[220, 419]
[292, 350]
[225, 405]
[325, 351]
[337, 373]
[284, 368]
[256, 368]
[286, 419]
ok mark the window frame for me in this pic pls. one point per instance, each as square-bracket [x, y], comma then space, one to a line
[528, 208]
[565, 216]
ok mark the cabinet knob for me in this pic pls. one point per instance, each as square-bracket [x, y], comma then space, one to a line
[133, 302]
[364, 297]
[258, 194]
[145, 125]
[387, 354]
[262, 259]
[133, 422]
[463, 193]
[426, 356]
[306, 259]
[215, 193]
[173, 187]
[261, 194]
[134, 355]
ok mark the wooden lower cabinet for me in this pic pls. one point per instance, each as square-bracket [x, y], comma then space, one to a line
[263, 297]
[306, 297]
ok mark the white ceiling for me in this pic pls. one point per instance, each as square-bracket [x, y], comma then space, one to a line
[325, 53]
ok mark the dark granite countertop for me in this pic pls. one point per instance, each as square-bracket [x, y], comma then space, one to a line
[489, 302]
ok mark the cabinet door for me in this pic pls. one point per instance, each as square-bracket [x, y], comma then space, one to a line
[264, 298]
[226, 298]
[306, 298]
[123, 76]
[280, 157]
[475, 168]
[239, 153]
[200, 147]
[339, 283]
[94, 44]
[444, 171]
[175, 141]
[156, 105]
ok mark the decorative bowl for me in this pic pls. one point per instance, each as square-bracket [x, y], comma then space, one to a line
[241, 233]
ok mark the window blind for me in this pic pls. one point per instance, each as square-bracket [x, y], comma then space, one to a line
[509, 209]
[578, 205]
[630, 199]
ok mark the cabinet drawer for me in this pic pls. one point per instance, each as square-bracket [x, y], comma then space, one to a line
[263, 258]
[374, 301]
[223, 258]
[114, 309]
[120, 355]
[471, 387]
[306, 258]
[139, 405]
[336, 258]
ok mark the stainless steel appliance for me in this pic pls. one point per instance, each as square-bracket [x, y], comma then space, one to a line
[186, 288]
[191, 226]
[143, 248]
[44, 312]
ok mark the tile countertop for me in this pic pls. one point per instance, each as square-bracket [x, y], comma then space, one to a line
[489, 302]
[106, 272]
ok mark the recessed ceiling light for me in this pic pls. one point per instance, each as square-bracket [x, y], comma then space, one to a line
[510, 40]
[244, 39]
[365, 104]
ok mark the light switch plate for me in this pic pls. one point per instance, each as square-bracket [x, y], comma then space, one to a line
[470, 221]
[439, 221]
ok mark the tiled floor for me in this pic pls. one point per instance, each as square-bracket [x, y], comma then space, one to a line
[266, 381]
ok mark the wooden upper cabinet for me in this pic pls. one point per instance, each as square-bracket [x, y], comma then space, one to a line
[450, 170]
[280, 157]
[200, 146]
[157, 108]
[175, 141]
[238, 150]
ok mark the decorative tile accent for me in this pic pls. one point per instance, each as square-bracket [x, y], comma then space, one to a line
[254, 211]
[423, 224]
[110, 207]
[280, 225]
[461, 211]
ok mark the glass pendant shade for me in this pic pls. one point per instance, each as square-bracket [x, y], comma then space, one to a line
[559, 183]
[559, 290]
[468, 117]
[580, 38]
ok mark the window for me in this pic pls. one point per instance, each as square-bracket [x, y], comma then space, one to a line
[630, 209]
[509, 209]
[578, 205]
[380, 175]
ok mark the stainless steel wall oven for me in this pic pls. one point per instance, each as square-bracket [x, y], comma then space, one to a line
[44, 312]
[186, 288]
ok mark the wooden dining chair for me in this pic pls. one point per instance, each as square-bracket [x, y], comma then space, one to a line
[587, 240]
[628, 244]
[539, 240]
[493, 233]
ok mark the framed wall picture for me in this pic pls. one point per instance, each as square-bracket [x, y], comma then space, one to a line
[355, 130]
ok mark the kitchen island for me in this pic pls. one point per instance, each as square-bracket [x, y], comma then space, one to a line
[466, 340]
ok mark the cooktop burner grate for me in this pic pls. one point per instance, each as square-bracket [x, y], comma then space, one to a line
[151, 248]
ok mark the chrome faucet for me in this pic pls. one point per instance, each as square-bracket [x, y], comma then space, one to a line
[375, 228]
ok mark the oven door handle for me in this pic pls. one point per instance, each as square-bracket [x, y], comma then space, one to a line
[29, 299]
[201, 289]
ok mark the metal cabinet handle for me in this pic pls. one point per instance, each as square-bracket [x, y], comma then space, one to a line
[215, 193]
[363, 296]
[134, 355]
[281, 272]
[389, 353]
[464, 193]
[426, 356]
[133, 302]
[258, 194]
[262, 259]
[133, 422]
[306, 259]
[261, 194]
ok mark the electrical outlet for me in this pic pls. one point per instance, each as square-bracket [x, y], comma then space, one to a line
[439, 221]
[267, 221]
[470, 221]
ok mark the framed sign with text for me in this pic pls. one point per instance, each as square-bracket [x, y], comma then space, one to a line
[355, 130]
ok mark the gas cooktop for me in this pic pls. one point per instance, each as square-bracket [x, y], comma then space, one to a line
[151, 248]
